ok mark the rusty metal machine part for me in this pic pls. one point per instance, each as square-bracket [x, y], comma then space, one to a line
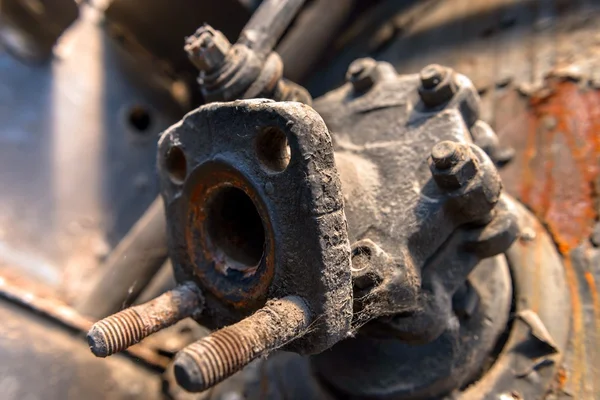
[254, 205]
[128, 327]
[527, 363]
[423, 203]
[384, 132]
[248, 68]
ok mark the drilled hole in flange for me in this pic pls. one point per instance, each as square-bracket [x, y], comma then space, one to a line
[235, 229]
[176, 165]
[139, 119]
[272, 149]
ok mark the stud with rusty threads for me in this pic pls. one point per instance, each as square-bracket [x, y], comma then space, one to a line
[210, 360]
[128, 327]
[445, 154]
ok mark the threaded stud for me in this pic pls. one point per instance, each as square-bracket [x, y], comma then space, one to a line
[210, 360]
[445, 154]
[128, 327]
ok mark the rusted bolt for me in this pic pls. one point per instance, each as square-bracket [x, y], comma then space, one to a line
[437, 85]
[432, 75]
[362, 74]
[445, 154]
[128, 327]
[207, 48]
[457, 165]
[219, 355]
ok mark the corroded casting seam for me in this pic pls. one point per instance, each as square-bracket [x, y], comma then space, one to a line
[216, 357]
[128, 327]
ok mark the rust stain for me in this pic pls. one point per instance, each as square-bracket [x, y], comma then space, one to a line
[561, 161]
[555, 173]
[196, 234]
[577, 337]
[561, 378]
[591, 283]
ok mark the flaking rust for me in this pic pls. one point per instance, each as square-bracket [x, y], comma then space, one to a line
[556, 171]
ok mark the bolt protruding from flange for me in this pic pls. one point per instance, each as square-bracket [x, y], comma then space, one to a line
[128, 327]
[362, 74]
[438, 85]
[452, 164]
[445, 154]
[432, 75]
[210, 360]
[207, 48]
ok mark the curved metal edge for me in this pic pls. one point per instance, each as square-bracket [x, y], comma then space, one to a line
[530, 359]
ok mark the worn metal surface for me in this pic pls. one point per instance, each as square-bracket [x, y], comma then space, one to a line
[367, 367]
[41, 301]
[249, 68]
[129, 267]
[29, 29]
[556, 173]
[383, 136]
[43, 360]
[238, 177]
[310, 35]
[530, 361]
[134, 24]
[278, 227]
[535, 64]
[77, 170]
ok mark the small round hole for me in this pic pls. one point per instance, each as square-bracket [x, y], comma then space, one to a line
[236, 229]
[362, 251]
[176, 165]
[139, 119]
[272, 149]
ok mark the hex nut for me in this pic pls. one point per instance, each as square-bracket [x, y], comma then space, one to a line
[362, 74]
[207, 48]
[464, 168]
[438, 85]
[445, 154]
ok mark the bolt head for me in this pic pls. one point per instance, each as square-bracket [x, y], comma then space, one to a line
[432, 75]
[207, 48]
[438, 85]
[362, 74]
[459, 165]
[445, 154]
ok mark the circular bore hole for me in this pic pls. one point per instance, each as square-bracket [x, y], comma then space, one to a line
[272, 149]
[176, 165]
[362, 251]
[235, 228]
[139, 119]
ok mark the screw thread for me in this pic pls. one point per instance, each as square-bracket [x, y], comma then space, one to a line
[219, 355]
[116, 333]
[128, 327]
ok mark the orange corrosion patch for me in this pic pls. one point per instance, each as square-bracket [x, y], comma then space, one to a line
[577, 335]
[561, 161]
[561, 378]
[201, 253]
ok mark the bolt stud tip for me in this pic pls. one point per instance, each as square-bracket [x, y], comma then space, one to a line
[187, 374]
[128, 327]
[97, 342]
[214, 358]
